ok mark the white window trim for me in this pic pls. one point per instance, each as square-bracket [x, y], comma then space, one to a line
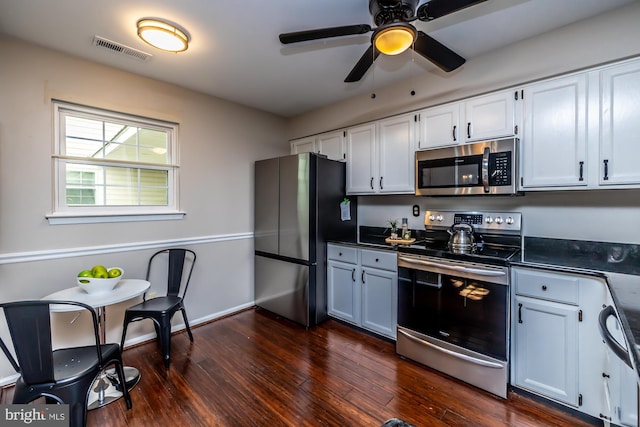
[63, 214]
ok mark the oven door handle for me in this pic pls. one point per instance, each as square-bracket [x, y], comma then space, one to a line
[464, 357]
[478, 271]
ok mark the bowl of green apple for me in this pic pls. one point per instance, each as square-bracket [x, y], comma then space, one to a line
[99, 279]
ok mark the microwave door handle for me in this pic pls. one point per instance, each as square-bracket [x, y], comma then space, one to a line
[485, 169]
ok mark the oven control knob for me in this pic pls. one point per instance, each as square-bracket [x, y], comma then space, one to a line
[432, 217]
[499, 220]
[488, 220]
[509, 220]
[440, 218]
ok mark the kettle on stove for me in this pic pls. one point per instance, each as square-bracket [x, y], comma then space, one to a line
[462, 240]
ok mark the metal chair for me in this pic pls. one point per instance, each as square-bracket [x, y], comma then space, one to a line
[64, 375]
[161, 309]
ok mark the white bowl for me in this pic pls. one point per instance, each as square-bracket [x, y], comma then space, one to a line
[93, 285]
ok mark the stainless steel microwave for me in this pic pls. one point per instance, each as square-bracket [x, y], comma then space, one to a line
[488, 167]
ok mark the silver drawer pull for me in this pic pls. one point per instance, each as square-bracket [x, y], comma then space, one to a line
[453, 353]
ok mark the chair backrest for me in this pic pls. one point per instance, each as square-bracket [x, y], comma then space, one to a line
[29, 324]
[180, 266]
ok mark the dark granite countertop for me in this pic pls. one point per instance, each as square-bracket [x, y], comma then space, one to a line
[618, 264]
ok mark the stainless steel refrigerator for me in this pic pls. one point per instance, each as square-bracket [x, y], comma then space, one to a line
[297, 209]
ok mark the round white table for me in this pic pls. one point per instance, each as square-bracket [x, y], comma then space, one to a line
[105, 389]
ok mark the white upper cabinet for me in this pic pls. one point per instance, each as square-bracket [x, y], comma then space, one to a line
[554, 141]
[303, 145]
[380, 156]
[481, 118]
[362, 160]
[439, 126]
[330, 144]
[490, 116]
[396, 154]
[620, 121]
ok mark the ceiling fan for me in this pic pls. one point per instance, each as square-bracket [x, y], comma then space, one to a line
[394, 33]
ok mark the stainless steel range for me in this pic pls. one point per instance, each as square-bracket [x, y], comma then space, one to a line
[453, 295]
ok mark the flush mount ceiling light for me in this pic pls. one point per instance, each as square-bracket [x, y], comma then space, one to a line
[163, 35]
[394, 38]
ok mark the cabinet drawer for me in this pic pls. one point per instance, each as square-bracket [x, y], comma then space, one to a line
[379, 259]
[548, 286]
[342, 253]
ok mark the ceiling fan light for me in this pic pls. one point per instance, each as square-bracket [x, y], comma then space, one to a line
[163, 35]
[394, 40]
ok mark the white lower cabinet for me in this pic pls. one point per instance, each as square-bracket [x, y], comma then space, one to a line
[546, 349]
[362, 287]
[556, 348]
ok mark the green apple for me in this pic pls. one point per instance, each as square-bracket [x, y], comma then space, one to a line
[85, 273]
[114, 272]
[99, 271]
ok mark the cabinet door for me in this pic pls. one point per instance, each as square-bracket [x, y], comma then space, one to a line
[440, 126]
[620, 118]
[361, 160]
[379, 301]
[343, 291]
[331, 144]
[546, 348]
[303, 145]
[396, 154]
[490, 116]
[555, 133]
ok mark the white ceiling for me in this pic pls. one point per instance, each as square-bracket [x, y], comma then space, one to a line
[235, 53]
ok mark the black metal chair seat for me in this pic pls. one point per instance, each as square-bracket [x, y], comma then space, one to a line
[69, 363]
[63, 375]
[161, 309]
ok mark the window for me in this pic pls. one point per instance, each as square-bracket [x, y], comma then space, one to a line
[110, 164]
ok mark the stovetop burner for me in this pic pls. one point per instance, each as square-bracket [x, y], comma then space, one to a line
[489, 254]
[497, 236]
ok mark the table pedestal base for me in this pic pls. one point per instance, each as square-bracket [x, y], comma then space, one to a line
[106, 388]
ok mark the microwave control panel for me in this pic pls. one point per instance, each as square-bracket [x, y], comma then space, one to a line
[500, 168]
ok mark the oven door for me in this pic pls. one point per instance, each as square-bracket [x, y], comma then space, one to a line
[462, 304]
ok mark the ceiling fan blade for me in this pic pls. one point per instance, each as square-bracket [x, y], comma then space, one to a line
[323, 33]
[363, 64]
[437, 53]
[437, 8]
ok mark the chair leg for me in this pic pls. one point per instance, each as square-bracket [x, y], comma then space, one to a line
[123, 383]
[165, 340]
[124, 332]
[186, 323]
[78, 414]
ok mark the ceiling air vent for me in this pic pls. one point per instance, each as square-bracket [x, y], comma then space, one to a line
[120, 48]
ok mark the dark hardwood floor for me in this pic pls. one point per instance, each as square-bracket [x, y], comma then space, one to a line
[254, 369]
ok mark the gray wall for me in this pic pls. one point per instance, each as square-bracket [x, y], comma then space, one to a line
[219, 141]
